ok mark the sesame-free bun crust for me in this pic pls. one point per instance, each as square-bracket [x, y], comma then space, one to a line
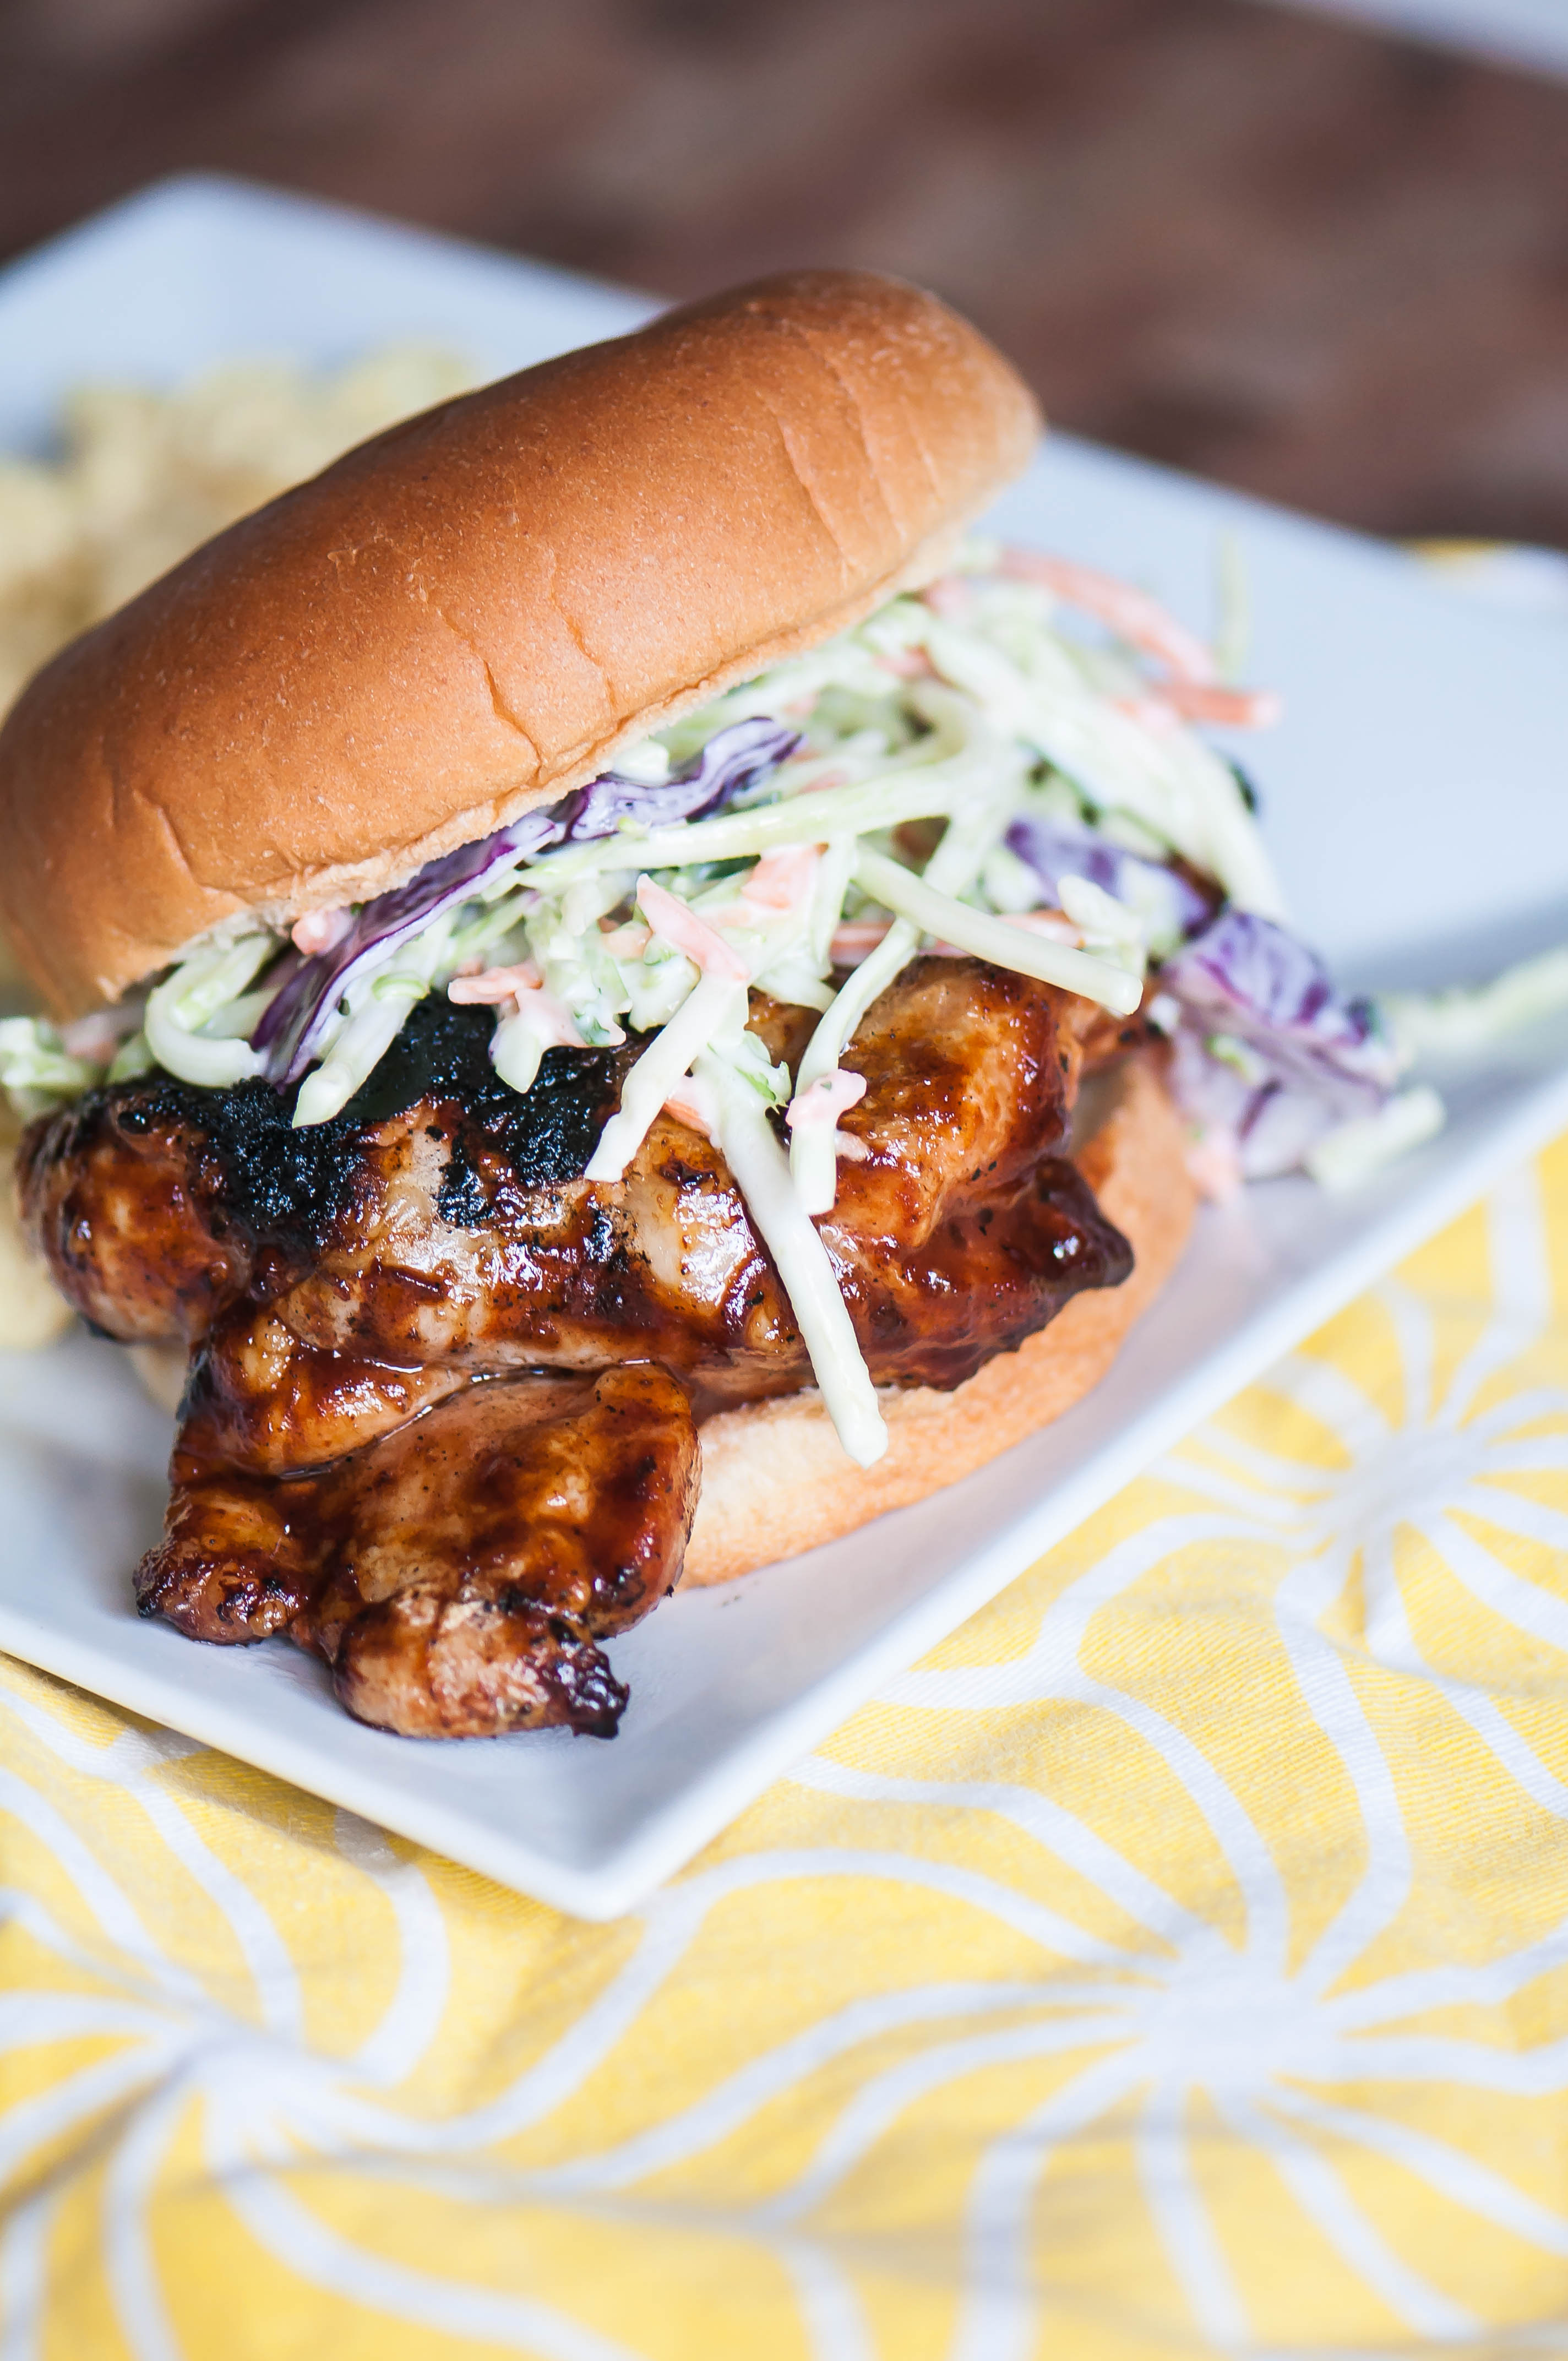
[775, 1479]
[468, 615]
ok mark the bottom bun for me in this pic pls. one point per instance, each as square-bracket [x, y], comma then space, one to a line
[775, 1479]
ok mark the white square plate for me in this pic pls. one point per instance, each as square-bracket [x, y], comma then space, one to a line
[1417, 802]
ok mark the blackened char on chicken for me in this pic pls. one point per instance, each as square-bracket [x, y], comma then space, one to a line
[442, 1412]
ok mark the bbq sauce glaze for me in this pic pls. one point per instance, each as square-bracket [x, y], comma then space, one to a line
[458, 1574]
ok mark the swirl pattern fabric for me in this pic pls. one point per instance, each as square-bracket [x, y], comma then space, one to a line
[1174, 1962]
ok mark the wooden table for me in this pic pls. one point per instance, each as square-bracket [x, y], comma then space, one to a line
[1328, 267]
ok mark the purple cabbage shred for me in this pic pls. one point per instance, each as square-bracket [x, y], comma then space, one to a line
[293, 1023]
[1055, 848]
[1293, 1060]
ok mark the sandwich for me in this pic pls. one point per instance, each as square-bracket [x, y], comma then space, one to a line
[629, 997]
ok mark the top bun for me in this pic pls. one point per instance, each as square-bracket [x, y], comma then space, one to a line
[469, 614]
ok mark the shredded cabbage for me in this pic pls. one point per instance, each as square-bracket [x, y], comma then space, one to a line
[996, 939]
[717, 1005]
[763, 1176]
[1353, 1152]
[1459, 1024]
[958, 860]
[1268, 1059]
[184, 1020]
[36, 1067]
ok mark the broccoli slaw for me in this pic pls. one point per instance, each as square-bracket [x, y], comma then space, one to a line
[1004, 765]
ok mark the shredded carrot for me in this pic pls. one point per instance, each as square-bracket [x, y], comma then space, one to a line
[695, 1102]
[1131, 613]
[950, 596]
[681, 926]
[855, 939]
[783, 880]
[318, 931]
[1215, 1170]
[1237, 708]
[496, 984]
[825, 1100]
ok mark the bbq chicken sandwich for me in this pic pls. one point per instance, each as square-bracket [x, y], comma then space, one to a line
[608, 971]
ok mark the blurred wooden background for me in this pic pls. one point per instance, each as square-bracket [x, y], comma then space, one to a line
[1330, 267]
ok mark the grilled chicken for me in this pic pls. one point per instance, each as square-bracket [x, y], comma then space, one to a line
[455, 1574]
[346, 1289]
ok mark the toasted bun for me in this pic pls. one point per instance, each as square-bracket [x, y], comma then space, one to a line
[775, 1479]
[469, 614]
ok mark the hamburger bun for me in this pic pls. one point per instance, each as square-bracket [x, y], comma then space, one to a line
[469, 614]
